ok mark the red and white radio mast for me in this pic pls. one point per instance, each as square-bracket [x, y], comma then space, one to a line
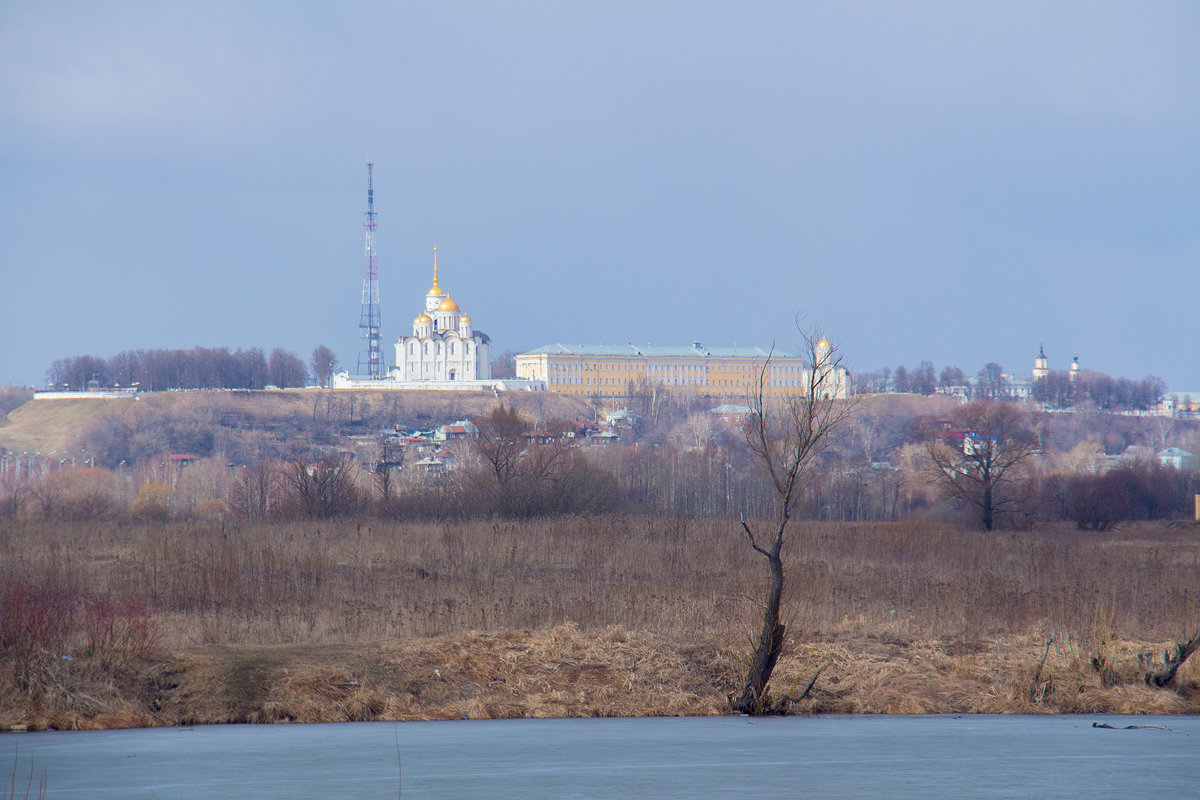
[370, 361]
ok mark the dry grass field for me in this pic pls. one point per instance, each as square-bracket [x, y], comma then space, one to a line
[195, 622]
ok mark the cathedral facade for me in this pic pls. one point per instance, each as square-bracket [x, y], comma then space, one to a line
[444, 345]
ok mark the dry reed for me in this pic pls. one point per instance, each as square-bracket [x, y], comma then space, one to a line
[909, 616]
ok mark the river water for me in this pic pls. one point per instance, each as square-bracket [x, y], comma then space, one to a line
[708, 757]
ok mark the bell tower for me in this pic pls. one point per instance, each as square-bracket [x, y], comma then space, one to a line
[1040, 364]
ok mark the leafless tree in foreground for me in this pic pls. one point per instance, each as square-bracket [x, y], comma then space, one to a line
[787, 433]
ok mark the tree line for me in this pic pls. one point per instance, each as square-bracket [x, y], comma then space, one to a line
[196, 368]
[1021, 467]
[1091, 388]
[1100, 391]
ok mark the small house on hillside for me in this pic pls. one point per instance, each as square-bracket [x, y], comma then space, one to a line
[622, 418]
[1136, 454]
[731, 414]
[604, 438]
[1176, 457]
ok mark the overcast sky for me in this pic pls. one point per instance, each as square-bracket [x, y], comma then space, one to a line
[923, 180]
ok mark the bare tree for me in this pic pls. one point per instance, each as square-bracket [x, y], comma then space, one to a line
[505, 365]
[12, 397]
[285, 369]
[525, 470]
[979, 460]
[324, 362]
[501, 443]
[1164, 429]
[322, 488]
[253, 490]
[383, 470]
[12, 493]
[951, 376]
[991, 381]
[923, 380]
[787, 433]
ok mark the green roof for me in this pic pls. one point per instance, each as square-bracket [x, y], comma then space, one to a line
[655, 351]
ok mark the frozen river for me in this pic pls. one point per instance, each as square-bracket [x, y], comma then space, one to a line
[812, 757]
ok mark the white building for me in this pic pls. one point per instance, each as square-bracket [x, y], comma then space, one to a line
[444, 352]
[444, 345]
[1041, 364]
[1176, 457]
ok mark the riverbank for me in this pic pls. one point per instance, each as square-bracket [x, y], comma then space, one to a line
[564, 672]
[118, 624]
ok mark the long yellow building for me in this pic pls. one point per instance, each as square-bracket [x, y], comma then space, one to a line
[617, 370]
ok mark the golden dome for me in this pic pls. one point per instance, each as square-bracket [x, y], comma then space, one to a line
[823, 343]
[448, 305]
[465, 318]
[421, 319]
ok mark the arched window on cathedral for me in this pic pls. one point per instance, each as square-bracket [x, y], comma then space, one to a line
[428, 347]
[452, 351]
[412, 349]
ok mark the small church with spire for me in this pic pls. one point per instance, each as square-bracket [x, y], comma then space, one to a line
[444, 345]
[1041, 366]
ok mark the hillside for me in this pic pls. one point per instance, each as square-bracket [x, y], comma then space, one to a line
[246, 425]
[46, 425]
[204, 420]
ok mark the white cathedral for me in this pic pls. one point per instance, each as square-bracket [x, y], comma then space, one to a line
[444, 346]
[444, 352]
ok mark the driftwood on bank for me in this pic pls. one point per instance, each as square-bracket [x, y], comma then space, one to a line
[1038, 689]
[1173, 659]
[784, 704]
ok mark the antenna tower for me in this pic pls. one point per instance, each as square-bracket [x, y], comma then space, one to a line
[370, 361]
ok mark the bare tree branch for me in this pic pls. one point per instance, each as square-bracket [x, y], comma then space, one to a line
[1174, 659]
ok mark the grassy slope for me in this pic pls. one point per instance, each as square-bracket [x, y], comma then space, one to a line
[45, 425]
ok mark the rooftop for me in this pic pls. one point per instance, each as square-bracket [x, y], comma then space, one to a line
[694, 350]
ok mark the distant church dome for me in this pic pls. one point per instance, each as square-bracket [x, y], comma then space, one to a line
[421, 319]
[448, 305]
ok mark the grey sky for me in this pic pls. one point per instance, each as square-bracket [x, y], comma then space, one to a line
[944, 181]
